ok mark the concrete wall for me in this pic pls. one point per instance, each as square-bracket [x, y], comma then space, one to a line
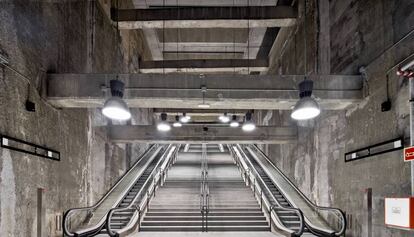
[350, 34]
[57, 36]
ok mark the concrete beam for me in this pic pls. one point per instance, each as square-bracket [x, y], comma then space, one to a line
[210, 3]
[199, 65]
[334, 92]
[197, 112]
[255, 39]
[206, 17]
[196, 134]
[153, 44]
[205, 46]
[202, 55]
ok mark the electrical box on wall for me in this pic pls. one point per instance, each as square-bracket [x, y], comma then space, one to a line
[399, 212]
[30, 106]
[386, 106]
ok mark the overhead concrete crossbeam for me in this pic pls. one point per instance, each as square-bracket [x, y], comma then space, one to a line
[202, 116]
[198, 112]
[201, 65]
[334, 92]
[197, 134]
[209, 3]
[206, 17]
[227, 47]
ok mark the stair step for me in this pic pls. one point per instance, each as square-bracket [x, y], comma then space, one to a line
[211, 210]
[193, 228]
[196, 218]
[210, 223]
[199, 213]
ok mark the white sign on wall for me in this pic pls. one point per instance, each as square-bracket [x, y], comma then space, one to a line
[399, 212]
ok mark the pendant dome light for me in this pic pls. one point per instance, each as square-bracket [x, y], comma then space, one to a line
[203, 105]
[115, 107]
[234, 122]
[248, 124]
[307, 107]
[224, 118]
[185, 118]
[163, 125]
[177, 123]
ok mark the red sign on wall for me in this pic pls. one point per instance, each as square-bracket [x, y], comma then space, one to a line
[409, 153]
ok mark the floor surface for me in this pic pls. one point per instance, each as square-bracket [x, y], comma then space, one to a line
[205, 234]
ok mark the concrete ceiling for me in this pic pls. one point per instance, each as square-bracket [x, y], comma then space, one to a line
[239, 42]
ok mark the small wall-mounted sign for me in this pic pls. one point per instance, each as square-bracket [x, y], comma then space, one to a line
[409, 153]
[377, 149]
[399, 212]
[28, 148]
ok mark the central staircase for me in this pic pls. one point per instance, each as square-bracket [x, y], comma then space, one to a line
[176, 206]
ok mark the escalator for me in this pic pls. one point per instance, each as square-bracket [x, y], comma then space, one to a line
[319, 221]
[90, 221]
[289, 219]
[126, 217]
[121, 219]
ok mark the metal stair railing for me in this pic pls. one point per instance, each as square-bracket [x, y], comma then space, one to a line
[337, 213]
[204, 190]
[251, 180]
[88, 211]
[155, 179]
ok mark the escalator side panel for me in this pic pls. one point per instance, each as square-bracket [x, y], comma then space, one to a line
[312, 218]
[97, 219]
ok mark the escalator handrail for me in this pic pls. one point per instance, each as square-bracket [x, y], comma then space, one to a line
[132, 205]
[339, 211]
[69, 212]
[275, 207]
[272, 208]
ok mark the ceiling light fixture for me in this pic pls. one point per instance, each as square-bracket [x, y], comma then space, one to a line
[248, 124]
[177, 123]
[224, 118]
[234, 122]
[307, 107]
[163, 125]
[115, 107]
[203, 105]
[185, 118]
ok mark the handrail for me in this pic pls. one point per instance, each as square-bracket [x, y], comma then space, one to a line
[257, 189]
[157, 176]
[204, 190]
[337, 210]
[71, 211]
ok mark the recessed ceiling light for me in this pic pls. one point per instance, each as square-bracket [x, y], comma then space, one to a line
[203, 106]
